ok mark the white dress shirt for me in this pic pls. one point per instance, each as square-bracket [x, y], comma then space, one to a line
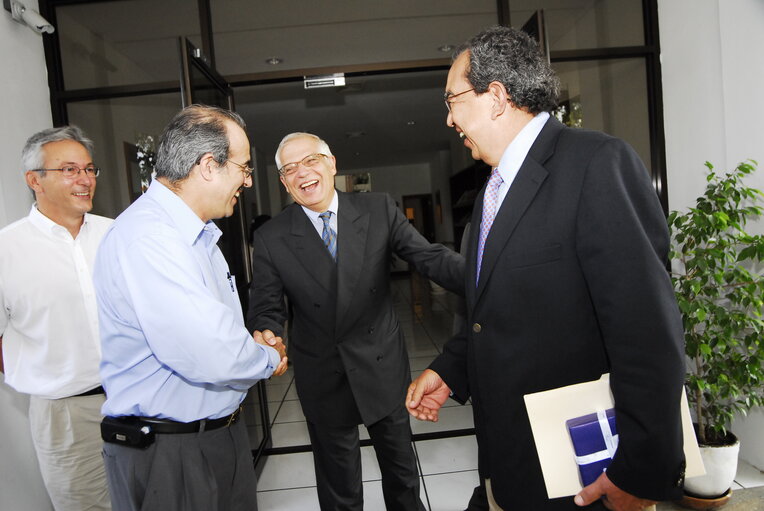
[318, 224]
[49, 319]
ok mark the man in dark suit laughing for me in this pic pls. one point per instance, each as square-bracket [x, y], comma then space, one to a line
[330, 255]
[565, 280]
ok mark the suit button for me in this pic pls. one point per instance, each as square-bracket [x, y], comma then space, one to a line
[371, 329]
[379, 357]
[373, 290]
[476, 328]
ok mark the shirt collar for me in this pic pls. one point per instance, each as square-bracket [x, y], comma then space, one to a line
[515, 153]
[48, 226]
[186, 221]
[313, 215]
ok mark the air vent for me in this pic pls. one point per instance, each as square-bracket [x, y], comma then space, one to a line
[318, 81]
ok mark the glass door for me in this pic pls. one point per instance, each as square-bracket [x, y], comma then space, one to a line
[200, 84]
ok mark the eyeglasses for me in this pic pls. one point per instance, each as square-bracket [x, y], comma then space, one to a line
[448, 97]
[244, 168]
[309, 161]
[73, 171]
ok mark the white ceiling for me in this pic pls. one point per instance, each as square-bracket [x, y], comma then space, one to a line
[135, 41]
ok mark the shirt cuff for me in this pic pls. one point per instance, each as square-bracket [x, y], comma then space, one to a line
[273, 357]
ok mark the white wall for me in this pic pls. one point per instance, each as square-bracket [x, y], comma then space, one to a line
[712, 55]
[26, 109]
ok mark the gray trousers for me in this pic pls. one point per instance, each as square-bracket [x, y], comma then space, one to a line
[208, 471]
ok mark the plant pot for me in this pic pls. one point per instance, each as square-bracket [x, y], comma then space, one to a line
[721, 465]
[705, 504]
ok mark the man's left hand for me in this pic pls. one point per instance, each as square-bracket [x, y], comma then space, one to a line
[612, 496]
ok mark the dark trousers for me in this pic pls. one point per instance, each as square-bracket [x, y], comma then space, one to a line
[337, 460]
[208, 471]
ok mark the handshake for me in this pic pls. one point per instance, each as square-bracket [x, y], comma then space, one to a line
[267, 338]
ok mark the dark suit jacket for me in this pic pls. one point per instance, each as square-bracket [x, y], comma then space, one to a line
[348, 351]
[573, 284]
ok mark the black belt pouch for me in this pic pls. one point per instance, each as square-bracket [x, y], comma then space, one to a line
[127, 431]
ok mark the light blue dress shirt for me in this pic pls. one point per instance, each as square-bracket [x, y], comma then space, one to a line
[515, 153]
[173, 339]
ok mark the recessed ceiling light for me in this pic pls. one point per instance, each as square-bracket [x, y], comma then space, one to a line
[446, 48]
[410, 123]
[274, 61]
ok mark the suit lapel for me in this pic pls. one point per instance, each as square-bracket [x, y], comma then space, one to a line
[521, 193]
[309, 248]
[352, 226]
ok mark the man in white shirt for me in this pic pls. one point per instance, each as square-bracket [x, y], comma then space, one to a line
[49, 320]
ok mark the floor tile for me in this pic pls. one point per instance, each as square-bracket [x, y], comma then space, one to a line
[451, 492]
[288, 411]
[748, 476]
[373, 500]
[279, 380]
[283, 471]
[369, 465]
[420, 363]
[447, 455]
[276, 392]
[298, 499]
[452, 417]
[290, 434]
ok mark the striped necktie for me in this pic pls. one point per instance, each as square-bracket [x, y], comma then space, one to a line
[328, 234]
[490, 203]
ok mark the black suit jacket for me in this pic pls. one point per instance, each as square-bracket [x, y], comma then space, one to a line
[348, 351]
[573, 284]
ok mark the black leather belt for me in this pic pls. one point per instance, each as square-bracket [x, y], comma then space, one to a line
[166, 426]
[92, 392]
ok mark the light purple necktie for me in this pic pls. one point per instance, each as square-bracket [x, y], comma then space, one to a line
[490, 205]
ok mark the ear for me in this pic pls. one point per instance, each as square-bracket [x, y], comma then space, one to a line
[333, 165]
[283, 182]
[33, 181]
[501, 102]
[207, 166]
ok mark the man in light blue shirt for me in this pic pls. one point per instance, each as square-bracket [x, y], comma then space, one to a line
[177, 358]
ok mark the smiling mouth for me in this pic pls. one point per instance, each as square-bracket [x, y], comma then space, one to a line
[309, 184]
[81, 194]
[461, 134]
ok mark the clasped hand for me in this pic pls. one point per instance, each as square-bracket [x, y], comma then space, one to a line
[267, 338]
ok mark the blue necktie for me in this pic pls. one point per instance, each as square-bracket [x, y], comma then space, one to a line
[328, 235]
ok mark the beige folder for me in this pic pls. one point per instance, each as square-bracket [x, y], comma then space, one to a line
[548, 412]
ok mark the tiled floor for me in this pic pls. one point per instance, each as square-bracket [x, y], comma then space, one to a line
[448, 466]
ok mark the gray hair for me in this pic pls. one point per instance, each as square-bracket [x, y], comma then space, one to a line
[33, 157]
[193, 132]
[512, 57]
[323, 147]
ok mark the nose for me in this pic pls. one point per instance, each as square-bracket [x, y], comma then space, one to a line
[84, 178]
[449, 120]
[249, 180]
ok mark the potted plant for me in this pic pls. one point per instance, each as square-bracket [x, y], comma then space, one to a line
[720, 295]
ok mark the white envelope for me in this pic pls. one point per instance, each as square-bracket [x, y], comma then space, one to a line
[548, 412]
